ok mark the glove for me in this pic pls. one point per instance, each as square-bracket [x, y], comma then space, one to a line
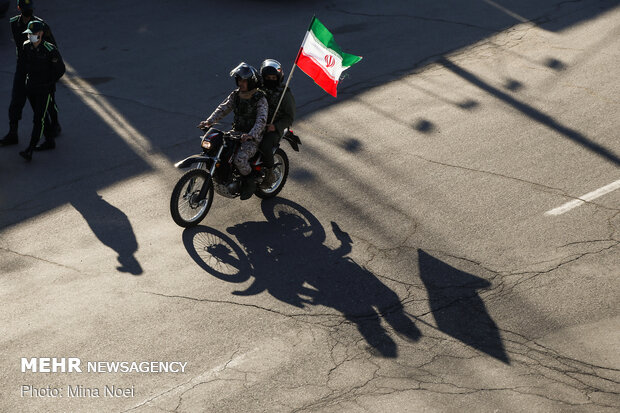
[204, 125]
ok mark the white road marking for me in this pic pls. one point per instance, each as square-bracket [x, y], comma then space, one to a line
[585, 198]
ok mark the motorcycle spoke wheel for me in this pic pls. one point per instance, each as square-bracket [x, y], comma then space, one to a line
[186, 207]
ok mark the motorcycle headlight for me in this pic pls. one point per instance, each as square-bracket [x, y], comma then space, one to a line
[206, 145]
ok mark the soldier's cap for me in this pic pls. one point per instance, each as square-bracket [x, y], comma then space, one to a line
[34, 26]
[25, 4]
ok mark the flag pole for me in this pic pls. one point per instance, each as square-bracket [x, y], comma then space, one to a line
[290, 75]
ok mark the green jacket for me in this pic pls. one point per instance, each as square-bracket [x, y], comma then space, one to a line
[286, 112]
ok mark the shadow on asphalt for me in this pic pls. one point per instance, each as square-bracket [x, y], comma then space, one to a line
[286, 257]
[112, 227]
[531, 112]
[457, 308]
[217, 254]
[395, 40]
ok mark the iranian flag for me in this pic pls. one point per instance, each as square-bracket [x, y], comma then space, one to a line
[322, 59]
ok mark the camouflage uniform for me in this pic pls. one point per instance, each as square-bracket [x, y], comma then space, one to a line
[250, 110]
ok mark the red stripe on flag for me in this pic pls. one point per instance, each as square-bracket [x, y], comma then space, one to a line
[316, 72]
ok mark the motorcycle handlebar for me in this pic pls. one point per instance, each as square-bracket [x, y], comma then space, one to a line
[234, 135]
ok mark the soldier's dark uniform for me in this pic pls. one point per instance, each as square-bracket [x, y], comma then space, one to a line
[18, 93]
[38, 69]
[18, 27]
[284, 119]
[281, 99]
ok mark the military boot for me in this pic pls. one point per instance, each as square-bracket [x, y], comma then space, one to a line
[26, 154]
[11, 137]
[248, 186]
[269, 179]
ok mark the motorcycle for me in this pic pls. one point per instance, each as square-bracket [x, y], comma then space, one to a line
[214, 171]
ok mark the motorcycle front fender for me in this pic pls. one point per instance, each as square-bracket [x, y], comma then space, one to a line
[190, 160]
[293, 140]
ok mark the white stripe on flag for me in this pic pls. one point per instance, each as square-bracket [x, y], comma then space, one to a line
[317, 51]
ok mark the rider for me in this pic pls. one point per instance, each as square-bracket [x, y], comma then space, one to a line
[250, 108]
[272, 75]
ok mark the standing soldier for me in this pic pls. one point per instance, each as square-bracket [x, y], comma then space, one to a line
[39, 67]
[19, 24]
[272, 74]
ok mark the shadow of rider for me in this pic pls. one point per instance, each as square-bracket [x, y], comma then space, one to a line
[291, 262]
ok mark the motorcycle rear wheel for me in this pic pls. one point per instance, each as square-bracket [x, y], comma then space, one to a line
[186, 208]
[281, 173]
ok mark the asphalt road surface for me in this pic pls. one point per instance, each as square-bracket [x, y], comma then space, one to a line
[448, 239]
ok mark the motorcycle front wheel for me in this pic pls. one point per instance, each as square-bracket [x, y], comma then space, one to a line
[191, 200]
[281, 173]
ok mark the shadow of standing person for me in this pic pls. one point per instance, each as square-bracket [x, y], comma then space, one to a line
[291, 262]
[112, 227]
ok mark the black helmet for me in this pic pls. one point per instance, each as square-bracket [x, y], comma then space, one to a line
[245, 71]
[272, 67]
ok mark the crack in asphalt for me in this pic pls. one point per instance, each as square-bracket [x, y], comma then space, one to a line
[129, 100]
[545, 188]
[39, 194]
[207, 300]
[529, 275]
[612, 226]
[302, 317]
[186, 383]
[581, 377]
[536, 360]
[57, 264]
[428, 380]
[417, 17]
[499, 285]
[552, 17]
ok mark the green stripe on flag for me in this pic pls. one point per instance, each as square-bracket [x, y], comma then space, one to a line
[324, 36]
[350, 59]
